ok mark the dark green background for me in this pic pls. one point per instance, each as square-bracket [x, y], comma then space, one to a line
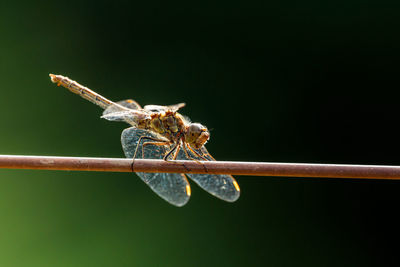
[288, 81]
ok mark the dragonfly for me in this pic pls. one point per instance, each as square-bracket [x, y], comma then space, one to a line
[160, 132]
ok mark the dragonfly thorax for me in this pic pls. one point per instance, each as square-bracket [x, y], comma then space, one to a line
[168, 124]
[173, 126]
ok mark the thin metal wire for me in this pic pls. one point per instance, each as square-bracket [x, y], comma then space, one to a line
[211, 167]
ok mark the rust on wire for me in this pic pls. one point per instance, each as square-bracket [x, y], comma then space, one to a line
[211, 167]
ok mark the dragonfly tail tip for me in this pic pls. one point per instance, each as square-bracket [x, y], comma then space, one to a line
[53, 78]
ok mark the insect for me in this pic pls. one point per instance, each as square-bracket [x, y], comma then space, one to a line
[160, 132]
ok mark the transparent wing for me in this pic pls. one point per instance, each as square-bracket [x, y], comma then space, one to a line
[122, 106]
[157, 108]
[172, 187]
[118, 116]
[224, 187]
[131, 116]
[129, 103]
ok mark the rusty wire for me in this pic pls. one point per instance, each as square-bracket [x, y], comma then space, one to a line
[211, 167]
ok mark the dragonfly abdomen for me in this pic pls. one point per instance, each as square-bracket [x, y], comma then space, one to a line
[81, 90]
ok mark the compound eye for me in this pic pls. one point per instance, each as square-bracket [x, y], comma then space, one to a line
[194, 128]
[197, 135]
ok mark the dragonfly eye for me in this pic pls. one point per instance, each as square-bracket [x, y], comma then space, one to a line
[197, 135]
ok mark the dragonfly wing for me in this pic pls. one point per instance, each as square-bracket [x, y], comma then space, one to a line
[176, 106]
[157, 108]
[131, 116]
[129, 103]
[122, 106]
[118, 116]
[172, 187]
[223, 186]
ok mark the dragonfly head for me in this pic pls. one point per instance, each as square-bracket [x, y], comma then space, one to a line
[197, 135]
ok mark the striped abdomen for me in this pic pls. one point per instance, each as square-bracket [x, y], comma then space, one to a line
[81, 90]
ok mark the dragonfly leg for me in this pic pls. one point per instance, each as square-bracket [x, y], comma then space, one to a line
[208, 154]
[190, 157]
[187, 154]
[185, 149]
[197, 154]
[162, 143]
[148, 138]
[176, 147]
[176, 152]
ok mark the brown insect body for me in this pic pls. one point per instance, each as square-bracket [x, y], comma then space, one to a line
[169, 124]
[170, 132]
[174, 128]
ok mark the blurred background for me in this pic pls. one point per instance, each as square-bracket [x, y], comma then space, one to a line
[282, 81]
